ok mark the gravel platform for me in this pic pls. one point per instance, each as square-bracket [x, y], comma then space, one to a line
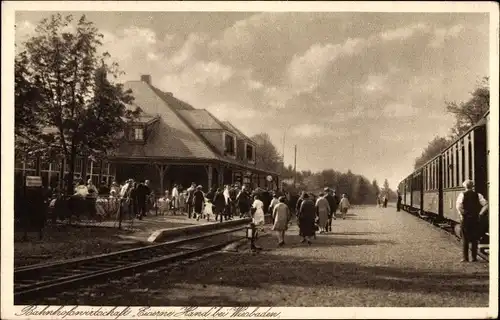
[376, 257]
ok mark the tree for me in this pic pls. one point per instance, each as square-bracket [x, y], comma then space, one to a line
[470, 112]
[434, 148]
[363, 191]
[375, 187]
[386, 186]
[78, 112]
[267, 156]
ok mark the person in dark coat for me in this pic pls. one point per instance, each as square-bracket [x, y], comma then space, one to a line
[398, 203]
[243, 200]
[219, 204]
[233, 193]
[104, 189]
[132, 195]
[471, 206]
[198, 199]
[333, 207]
[141, 196]
[190, 193]
[210, 194]
[306, 218]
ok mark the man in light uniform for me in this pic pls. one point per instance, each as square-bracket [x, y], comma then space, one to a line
[471, 206]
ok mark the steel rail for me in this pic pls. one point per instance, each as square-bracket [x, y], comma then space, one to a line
[34, 280]
[483, 250]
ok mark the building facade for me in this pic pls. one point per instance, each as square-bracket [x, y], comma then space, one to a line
[171, 143]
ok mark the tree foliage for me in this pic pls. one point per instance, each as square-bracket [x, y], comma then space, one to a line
[267, 156]
[357, 187]
[434, 147]
[466, 114]
[470, 112]
[64, 100]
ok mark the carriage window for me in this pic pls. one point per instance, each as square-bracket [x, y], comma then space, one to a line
[463, 162]
[457, 166]
[452, 175]
[470, 159]
[432, 175]
[443, 171]
[427, 176]
[436, 175]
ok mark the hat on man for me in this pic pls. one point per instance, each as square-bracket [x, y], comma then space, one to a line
[468, 184]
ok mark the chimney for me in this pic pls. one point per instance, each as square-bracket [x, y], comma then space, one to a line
[146, 78]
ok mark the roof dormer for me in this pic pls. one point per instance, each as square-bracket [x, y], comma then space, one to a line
[139, 129]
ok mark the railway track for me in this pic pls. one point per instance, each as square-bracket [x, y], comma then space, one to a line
[32, 281]
[483, 249]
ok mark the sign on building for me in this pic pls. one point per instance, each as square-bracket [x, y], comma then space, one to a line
[33, 181]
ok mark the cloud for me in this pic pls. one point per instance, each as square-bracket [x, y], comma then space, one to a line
[230, 111]
[397, 110]
[404, 33]
[443, 34]
[307, 70]
[378, 80]
[308, 130]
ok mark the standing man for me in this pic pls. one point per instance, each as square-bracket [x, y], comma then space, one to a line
[189, 199]
[398, 203]
[141, 194]
[333, 203]
[471, 206]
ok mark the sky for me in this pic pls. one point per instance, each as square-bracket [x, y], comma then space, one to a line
[359, 91]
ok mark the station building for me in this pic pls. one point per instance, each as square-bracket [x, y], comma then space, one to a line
[170, 143]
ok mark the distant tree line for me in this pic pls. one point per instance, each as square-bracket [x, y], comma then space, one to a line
[466, 115]
[359, 188]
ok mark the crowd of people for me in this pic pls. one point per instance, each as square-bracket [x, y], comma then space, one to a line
[137, 199]
[313, 214]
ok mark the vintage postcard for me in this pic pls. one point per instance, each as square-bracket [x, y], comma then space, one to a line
[273, 160]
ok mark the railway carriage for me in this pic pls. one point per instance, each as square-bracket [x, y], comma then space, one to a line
[432, 189]
[406, 195]
[416, 191]
[464, 159]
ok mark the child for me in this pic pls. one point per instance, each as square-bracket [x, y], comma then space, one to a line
[164, 204]
[344, 205]
[208, 210]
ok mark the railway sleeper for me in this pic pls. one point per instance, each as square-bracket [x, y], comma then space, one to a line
[73, 281]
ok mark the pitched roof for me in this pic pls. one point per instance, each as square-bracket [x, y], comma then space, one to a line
[201, 119]
[175, 135]
[240, 134]
[172, 137]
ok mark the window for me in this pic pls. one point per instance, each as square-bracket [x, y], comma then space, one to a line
[457, 168]
[463, 162]
[78, 165]
[470, 159]
[451, 168]
[445, 170]
[138, 134]
[249, 152]
[229, 144]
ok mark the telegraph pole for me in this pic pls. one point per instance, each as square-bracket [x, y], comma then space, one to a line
[295, 168]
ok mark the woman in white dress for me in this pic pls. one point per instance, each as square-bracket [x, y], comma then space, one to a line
[258, 216]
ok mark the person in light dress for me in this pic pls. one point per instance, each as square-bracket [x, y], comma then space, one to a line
[164, 204]
[175, 199]
[208, 210]
[323, 210]
[281, 217]
[258, 216]
[344, 205]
